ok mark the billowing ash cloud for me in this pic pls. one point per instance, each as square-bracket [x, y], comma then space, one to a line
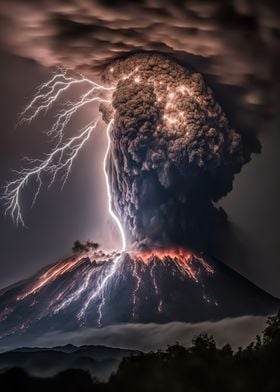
[173, 152]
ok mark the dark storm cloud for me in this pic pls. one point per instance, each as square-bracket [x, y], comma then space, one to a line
[235, 43]
[227, 35]
[238, 331]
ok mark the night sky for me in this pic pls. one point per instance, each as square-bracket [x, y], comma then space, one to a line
[234, 46]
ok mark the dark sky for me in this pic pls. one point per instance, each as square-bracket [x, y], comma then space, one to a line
[235, 47]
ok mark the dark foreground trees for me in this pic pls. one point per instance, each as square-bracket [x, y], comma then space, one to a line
[201, 368]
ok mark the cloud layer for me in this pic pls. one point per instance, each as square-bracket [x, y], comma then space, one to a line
[228, 35]
[238, 331]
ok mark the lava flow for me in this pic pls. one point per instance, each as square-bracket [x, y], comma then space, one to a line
[184, 262]
[60, 269]
[76, 284]
[181, 258]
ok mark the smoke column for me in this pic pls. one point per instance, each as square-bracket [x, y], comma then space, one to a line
[173, 154]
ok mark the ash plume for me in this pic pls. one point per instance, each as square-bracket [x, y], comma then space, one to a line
[220, 39]
[173, 152]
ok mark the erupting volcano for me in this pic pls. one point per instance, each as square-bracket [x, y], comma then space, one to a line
[170, 157]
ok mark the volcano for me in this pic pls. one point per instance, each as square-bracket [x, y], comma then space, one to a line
[100, 289]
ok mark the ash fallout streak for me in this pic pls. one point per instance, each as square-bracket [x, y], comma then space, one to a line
[170, 155]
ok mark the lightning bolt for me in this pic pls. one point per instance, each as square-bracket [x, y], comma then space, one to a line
[60, 160]
[104, 279]
[63, 154]
[111, 212]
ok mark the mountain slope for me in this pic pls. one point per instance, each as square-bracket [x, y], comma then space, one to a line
[102, 289]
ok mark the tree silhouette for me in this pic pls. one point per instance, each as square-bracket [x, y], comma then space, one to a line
[271, 334]
[203, 367]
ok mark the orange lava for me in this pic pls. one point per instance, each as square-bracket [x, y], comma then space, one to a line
[186, 261]
[52, 274]
[59, 269]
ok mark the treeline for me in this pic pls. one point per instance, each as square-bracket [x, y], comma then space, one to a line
[200, 368]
